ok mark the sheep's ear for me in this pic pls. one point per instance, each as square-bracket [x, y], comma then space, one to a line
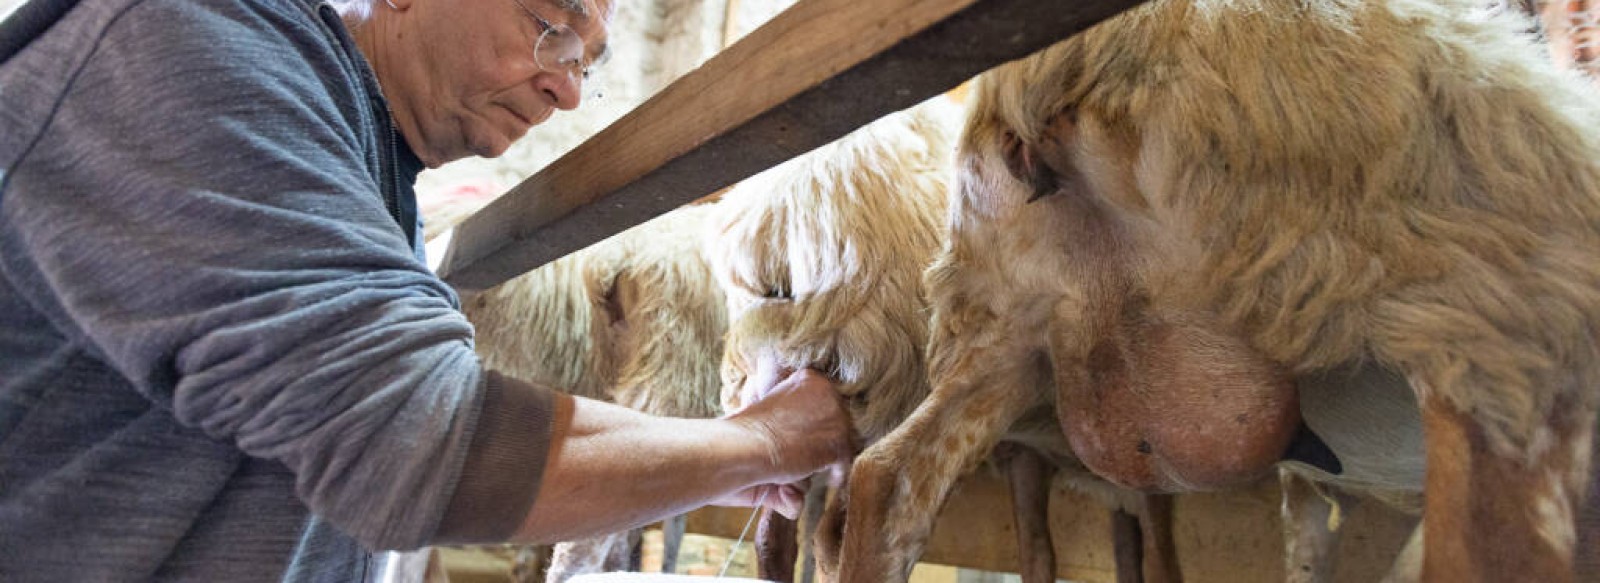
[612, 302]
[1045, 165]
[1023, 163]
[1054, 149]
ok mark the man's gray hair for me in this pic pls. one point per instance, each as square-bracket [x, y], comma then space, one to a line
[357, 10]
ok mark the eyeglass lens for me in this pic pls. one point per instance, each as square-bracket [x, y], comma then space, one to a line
[560, 49]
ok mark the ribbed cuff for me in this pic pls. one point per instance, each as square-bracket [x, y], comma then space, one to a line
[501, 476]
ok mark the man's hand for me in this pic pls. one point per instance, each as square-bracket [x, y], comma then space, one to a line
[801, 420]
[785, 499]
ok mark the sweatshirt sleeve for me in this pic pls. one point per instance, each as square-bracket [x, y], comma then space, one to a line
[200, 213]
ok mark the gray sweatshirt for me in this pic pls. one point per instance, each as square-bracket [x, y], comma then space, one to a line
[215, 338]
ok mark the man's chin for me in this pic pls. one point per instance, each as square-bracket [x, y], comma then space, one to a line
[495, 152]
[493, 148]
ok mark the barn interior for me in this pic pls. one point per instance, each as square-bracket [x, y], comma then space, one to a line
[700, 107]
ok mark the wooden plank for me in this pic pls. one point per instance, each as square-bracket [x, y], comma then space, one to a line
[976, 530]
[813, 73]
[1222, 537]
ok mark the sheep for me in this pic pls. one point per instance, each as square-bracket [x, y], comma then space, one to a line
[1310, 503]
[1313, 184]
[820, 260]
[634, 320]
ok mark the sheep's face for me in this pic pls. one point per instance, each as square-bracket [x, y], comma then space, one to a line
[663, 315]
[871, 346]
[1055, 250]
[633, 319]
[1025, 239]
[543, 327]
[820, 259]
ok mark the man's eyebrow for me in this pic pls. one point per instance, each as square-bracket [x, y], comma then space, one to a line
[579, 11]
[577, 8]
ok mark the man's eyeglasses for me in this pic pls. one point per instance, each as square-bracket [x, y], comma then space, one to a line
[559, 48]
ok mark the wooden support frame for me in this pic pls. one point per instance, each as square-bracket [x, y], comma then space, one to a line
[810, 75]
[1234, 536]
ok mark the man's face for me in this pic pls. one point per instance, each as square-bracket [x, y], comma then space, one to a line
[473, 86]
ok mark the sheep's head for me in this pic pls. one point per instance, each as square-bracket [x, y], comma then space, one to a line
[634, 319]
[820, 260]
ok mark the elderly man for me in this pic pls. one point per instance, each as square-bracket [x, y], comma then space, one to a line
[221, 356]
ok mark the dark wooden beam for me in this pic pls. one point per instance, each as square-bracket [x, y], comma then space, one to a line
[810, 75]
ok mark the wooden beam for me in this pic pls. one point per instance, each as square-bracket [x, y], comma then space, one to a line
[1234, 536]
[810, 75]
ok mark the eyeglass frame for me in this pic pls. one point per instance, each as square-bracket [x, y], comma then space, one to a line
[580, 65]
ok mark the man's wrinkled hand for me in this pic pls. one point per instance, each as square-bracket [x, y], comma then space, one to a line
[802, 422]
[785, 499]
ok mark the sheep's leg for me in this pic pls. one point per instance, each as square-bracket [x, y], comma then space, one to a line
[672, 530]
[1127, 546]
[627, 554]
[1160, 549]
[1142, 541]
[1509, 405]
[827, 543]
[898, 485]
[1030, 504]
[776, 547]
[1478, 500]
[816, 500]
[530, 563]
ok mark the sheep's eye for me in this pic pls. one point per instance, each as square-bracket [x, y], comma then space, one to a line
[834, 370]
[611, 302]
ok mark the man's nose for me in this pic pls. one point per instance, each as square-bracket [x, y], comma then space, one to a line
[564, 88]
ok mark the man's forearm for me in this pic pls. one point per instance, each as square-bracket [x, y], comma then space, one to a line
[611, 468]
